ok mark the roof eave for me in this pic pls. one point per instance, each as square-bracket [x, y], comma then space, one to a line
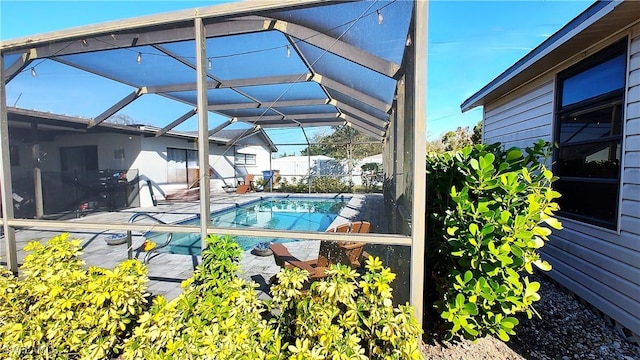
[73, 122]
[144, 130]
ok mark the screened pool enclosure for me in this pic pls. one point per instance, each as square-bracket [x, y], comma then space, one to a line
[253, 66]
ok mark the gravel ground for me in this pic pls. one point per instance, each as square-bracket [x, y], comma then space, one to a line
[567, 330]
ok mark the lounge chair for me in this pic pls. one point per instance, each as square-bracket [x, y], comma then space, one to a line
[331, 252]
[246, 184]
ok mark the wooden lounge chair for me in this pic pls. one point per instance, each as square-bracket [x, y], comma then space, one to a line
[246, 184]
[331, 252]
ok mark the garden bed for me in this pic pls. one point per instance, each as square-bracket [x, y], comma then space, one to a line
[568, 330]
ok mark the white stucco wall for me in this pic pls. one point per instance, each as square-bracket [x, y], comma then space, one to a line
[106, 145]
[263, 159]
[148, 155]
[152, 162]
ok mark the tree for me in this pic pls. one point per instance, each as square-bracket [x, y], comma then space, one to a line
[313, 149]
[344, 141]
[457, 139]
[476, 138]
[371, 175]
[121, 119]
[435, 146]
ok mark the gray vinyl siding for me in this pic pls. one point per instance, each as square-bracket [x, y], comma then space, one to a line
[523, 120]
[631, 175]
[599, 265]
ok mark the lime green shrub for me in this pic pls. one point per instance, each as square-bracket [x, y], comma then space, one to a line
[220, 323]
[59, 310]
[489, 213]
[219, 316]
[345, 316]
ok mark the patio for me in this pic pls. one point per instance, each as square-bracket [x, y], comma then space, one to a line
[167, 271]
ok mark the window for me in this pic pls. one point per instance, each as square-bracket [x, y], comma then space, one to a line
[118, 153]
[589, 137]
[182, 165]
[79, 158]
[245, 159]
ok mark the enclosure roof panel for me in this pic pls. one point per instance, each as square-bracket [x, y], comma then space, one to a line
[365, 33]
[265, 61]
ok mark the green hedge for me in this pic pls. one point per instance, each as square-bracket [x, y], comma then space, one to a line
[319, 184]
[489, 211]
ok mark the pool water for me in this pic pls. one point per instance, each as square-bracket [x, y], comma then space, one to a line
[290, 213]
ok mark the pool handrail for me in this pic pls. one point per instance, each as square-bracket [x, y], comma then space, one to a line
[139, 214]
[147, 256]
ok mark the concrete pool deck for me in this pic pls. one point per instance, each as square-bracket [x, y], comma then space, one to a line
[167, 271]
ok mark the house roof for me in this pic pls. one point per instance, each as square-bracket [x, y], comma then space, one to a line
[598, 22]
[49, 121]
[241, 137]
[286, 63]
[23, 118]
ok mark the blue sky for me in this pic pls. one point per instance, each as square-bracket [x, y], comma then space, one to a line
[470, 43]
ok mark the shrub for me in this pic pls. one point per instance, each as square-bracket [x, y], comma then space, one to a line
[319, 184]
[487, 208]
[371, 175]
[345, 316]
[59, 310]
[219, 316]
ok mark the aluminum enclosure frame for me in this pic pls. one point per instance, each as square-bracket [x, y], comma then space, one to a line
[411, 78]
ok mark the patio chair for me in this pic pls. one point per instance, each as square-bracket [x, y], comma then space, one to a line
[331, 252]
[246, 185]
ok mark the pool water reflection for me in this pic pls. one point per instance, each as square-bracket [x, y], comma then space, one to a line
[290, 213]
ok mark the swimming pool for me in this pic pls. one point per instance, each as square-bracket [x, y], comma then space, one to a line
[276, 213]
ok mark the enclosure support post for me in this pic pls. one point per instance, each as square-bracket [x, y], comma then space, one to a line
[308, 157]
[37, 173]
[350, 159]
[203, 130]
[309, 168]
[129, 245]
[5, 173]
[37, 184]
[418, 74]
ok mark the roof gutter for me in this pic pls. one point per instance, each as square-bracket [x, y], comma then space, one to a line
[588, 17]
